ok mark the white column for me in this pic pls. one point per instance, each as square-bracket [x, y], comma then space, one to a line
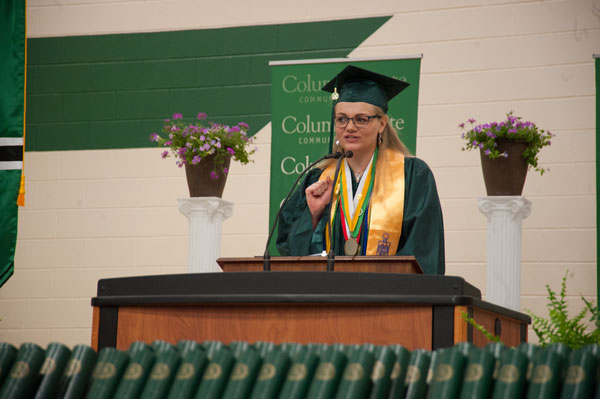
[206, 216]
[505, 215]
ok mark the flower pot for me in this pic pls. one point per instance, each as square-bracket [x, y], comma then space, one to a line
[199, 178]
[505, 176]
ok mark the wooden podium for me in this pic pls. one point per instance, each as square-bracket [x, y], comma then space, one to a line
[379, 300]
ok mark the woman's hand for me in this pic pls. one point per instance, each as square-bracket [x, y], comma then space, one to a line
[317, 197]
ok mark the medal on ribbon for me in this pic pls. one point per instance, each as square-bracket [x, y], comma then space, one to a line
[353, 207]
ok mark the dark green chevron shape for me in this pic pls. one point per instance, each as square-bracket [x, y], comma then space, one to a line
[112, 91]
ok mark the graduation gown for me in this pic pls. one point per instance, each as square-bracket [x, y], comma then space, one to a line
[422, 225]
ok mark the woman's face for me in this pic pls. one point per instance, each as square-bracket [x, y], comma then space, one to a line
[360, 140]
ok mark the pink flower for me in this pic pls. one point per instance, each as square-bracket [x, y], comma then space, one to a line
[231, 150]
[201, 116]
[177, 116]
[213, 175]
[225, 170]
[243, 125]
[154, 137]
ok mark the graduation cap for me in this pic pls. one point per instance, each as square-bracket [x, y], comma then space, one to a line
[354, 84]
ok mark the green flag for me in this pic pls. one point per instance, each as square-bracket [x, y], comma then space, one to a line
[12, 110]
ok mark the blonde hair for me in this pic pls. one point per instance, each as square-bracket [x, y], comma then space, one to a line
[389, 139]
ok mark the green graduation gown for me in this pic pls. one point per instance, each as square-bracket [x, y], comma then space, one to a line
[422, 226]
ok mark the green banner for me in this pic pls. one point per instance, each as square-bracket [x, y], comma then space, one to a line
[12, 103]
[597, 57]
[301, 115]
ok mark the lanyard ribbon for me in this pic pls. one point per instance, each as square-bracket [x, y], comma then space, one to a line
[353, 206]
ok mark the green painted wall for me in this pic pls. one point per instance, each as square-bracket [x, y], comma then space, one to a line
[112, 91]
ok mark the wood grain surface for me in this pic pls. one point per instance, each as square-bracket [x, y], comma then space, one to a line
[372, 264]
[409, 326]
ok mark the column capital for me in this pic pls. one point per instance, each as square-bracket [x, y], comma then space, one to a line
[210, 205]
[517, 206]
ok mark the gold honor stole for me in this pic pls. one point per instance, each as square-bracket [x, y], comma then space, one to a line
[386, 210]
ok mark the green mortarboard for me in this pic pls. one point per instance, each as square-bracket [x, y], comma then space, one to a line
[355, 84]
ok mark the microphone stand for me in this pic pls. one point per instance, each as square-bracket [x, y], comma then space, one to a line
[267, 255]
[331, 254]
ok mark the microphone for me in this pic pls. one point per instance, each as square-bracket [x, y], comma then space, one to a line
[331, 254]
[267, 255]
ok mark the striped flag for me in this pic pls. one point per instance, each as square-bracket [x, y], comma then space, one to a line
[12, 126]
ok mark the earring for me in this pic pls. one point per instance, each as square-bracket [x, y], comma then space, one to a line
[337, 142]
[379, 138]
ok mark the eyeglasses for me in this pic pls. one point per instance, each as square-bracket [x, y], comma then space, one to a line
[359, 121]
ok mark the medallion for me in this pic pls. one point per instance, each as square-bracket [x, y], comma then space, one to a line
[351, 247]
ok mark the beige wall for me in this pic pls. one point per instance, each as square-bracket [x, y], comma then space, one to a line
[96, 214]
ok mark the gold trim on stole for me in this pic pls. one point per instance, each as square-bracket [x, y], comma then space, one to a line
[386, 211]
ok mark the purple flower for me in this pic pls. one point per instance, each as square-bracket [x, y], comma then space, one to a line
[196, 160]
[471, 120]
[202, 138]
[513, 130]
[188, 145]
[487, 152]
[177, 116]
[481, 145]
[225, 170]
[461, 125]
[230, 150]
[168, 143]
[504, 154]
[174, 128]
[243, 125]
[474, 143]
[234, 129]
[165, 154]
[201, 116]
[213, 175]
[218, 145]
[154, 137]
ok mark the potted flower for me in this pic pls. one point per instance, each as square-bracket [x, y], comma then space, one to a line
[507, 150]
[204, 150]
